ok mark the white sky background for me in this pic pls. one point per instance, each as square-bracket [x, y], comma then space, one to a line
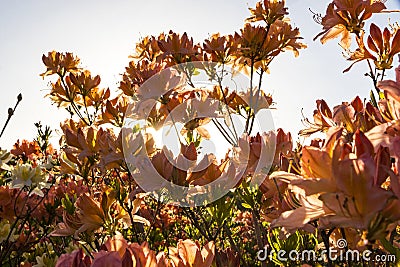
[103, 34]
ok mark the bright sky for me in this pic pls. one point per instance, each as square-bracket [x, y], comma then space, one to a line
[103, 34]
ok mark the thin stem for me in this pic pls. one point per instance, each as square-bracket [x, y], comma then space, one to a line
[259, 237]
[258, 96]
[373, 77]
[174, 124]
[11, 113]
[86, 110]
[233, 244]
[223, 132]
[77, 112]
[158, 208]
[226, 102]
[250, 113]
[325, 238]
[383, 74]
[260, 80]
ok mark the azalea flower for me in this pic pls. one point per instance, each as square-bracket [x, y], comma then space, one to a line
[84, 81]
[214, 171]
[137, 73]
[148, 48]
[26, 149]
[178, 49]
[59, 63]
[114, 111]
[382, 48]
[268, 11]
[310, 208]
[195, 114]
[91, 215]
[352, 116]
[220, 48]
[255, 100]
[349, 185]
[323, 119]
[344, 17]
[379, 43]
[26, 175]
[188, 253]
[76, 258]
[4, 158]
[258, 46]
[5, 229]
[255, 152]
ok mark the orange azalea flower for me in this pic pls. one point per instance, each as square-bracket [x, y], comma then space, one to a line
[63, 96]
[76, 259]
[268, 11]
[304, 208]
[288, 36]
[273, 204]
[284, 145]
[259, 45]
[195, 114]
[220, 48]
[26, 149]
[379, 43]
[231, 98]
[60, 63]
[322, 119]
[254, 46]
[351, 116]
[136, 74]
[12, 203]
[84, 81]
[248, 151]
[91, 215]
[148, 48]
[209, 174]
[188, 254]
[111, 152]
[345, 17]
[96, 99]
[349, 187]
[256, 100]
[101, 148]
[255, 152]
[178, 49]
[118, 252]
[161, 86]
[163, 166]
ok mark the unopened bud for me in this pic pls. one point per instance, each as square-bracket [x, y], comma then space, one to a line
[19, 97]
[10, 112]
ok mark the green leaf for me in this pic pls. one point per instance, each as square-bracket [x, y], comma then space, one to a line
[246, 206]
[68, 205]
[373, 100]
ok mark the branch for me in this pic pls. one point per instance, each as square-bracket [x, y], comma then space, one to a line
[11, 113]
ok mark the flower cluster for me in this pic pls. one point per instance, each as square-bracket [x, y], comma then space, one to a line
[109, 196]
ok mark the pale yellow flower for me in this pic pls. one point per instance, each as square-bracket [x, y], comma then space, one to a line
[4, 158]
[5, 228]
[26, 175]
